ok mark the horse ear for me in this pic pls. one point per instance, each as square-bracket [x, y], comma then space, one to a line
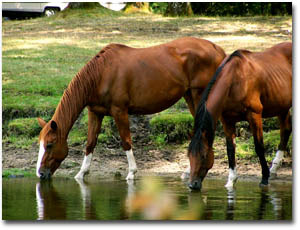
[41, 122]
[53, 125]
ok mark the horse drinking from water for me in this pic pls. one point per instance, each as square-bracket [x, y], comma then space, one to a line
[119, 81]
[247, 86]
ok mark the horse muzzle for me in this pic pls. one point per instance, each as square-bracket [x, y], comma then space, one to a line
[196, 184]
[45, 174]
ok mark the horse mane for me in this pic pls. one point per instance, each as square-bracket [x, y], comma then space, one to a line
[80, 90]
[203, 119]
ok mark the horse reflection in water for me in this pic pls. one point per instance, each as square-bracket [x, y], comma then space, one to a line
[52, 206]
[266, 196]
[49, 204]
[151, 200]
[156, 204]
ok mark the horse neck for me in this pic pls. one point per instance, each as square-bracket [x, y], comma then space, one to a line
[75, 98]
[219, 93]
[67, 112]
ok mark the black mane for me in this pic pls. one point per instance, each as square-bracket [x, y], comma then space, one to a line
[203, 119]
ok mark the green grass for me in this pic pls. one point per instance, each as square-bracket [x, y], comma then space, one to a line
[41, 55]
[23, 126]
[15, 172]
[171, 127]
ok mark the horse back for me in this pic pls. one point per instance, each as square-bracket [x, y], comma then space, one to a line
[169, 70]
[263, 80]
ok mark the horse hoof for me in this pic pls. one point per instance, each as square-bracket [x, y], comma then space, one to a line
[78, 176]
[130, 176]
[229, 186]
[263, 184]
[81, 175]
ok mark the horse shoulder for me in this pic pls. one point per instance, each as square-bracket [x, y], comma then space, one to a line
[244, 90]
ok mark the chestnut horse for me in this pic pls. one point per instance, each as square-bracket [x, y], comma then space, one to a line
[248, 86]
[119, 81]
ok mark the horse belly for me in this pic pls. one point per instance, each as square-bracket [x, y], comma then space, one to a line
[277, 103]
[275, 110]
[154, 101]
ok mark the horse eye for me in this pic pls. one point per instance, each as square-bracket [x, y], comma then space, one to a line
[49, 145]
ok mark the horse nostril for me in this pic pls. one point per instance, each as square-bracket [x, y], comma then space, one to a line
[44, 175]
[195, 185]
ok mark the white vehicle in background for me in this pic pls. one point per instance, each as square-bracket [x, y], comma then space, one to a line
[115, 6]
[45, 8]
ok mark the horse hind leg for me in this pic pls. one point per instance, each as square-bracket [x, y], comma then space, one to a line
[94, 127]
[121, 118]
[285, 132]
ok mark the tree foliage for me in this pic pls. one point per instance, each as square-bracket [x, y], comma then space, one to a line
[178, 9]
[241, 8]
[221, 8]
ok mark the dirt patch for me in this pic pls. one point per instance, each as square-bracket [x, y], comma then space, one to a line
[108, 163]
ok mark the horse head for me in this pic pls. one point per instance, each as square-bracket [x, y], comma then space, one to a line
[53, 149]
[200, 162]
[200, 151]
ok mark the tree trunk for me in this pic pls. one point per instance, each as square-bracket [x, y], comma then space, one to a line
[179, 9]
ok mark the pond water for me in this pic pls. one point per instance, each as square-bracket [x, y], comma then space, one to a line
[147, 198]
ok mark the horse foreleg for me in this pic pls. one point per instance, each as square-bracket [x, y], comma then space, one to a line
[229, 130]
[122, 122]
[94, 127]
[285, 132]
[132, 169]
[255, 121]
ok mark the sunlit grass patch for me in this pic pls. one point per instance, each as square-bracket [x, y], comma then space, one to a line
[171, 127]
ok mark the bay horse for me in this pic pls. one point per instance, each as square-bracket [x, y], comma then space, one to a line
[120, 81]
[247, 86]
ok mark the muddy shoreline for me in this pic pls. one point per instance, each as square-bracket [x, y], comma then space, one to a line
[110, 163]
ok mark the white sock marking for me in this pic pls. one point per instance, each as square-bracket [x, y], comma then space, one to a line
[277, 161]
[232, 177]
[131, 165]
[40, 157]
[85, 167]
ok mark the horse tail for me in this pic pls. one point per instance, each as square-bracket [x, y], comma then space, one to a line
[203, 119]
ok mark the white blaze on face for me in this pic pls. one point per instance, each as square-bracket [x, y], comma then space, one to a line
[40, 157]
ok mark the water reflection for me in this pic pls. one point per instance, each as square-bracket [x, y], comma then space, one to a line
[156, 199]
[49, 204]
[88, 208]
[231, 199]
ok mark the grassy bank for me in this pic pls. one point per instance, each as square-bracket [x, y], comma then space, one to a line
[40, 56]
